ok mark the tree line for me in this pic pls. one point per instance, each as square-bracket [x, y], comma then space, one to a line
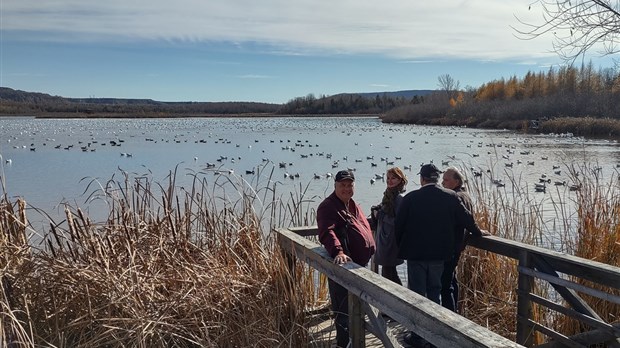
[346, 104]
[15, 102]
[527, 102]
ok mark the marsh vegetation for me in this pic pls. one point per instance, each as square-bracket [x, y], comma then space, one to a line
[197, 266]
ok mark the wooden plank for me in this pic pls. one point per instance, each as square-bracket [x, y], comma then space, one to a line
[562, 286]
[305, 231]
[436, 324]
[587, 269]
[566, 341]
[524, 306]
[357, 330]
[561, 262]
[590, 336]
[612, 331]
[379, 327]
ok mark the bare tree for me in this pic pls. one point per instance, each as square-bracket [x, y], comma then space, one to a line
[577, 26]
[448, 85]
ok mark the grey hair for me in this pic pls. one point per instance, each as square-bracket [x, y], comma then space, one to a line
[457, 175]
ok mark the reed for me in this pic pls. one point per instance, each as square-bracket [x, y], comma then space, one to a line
[598, 235]
[195, 265]
[169, 268]
[488, 290]
[488, 281]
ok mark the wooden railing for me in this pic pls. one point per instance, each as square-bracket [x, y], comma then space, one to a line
[371, 294]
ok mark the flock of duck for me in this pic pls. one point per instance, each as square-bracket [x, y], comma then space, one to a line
[222, 164]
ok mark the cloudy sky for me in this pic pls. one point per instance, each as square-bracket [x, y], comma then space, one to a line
[265, 50]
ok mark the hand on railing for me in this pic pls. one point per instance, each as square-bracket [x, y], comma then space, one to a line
[341, 258]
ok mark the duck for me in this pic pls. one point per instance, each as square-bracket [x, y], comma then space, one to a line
[540, 187]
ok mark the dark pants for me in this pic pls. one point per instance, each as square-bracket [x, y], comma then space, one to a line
[390, 272]
[425, 278]
[340, 309]
[449, 284]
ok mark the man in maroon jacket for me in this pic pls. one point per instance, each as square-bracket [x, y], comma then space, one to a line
[345, 233]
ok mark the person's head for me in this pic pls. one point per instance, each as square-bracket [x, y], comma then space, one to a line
[396, 179]
[452, 179]
[429, 174]
[344, 185]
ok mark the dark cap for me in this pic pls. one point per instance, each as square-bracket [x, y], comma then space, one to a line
[345, 175]
[429, 171]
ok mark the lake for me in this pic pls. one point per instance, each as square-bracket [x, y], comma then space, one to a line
[51, 161]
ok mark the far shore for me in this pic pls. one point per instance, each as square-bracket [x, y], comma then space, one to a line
[586, 126]
[109, 115]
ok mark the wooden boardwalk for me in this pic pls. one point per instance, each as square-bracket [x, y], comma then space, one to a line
[323, 333]
[370, 294]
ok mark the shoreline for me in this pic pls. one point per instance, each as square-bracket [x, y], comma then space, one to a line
[586, 127]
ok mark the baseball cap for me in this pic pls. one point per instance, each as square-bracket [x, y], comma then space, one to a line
[345, 175]
[429, 171]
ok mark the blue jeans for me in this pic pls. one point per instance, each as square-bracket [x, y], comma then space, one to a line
[425, 278]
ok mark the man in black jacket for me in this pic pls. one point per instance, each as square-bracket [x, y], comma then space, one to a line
[425, 228]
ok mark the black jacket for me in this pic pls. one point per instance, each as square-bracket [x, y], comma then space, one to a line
[426, 224]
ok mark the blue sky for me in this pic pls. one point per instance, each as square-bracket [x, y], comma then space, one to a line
[265, 51]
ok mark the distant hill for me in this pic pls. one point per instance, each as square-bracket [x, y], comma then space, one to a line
[16, 102]
[408, 94]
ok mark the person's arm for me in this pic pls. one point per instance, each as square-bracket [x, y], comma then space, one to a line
[466, 219]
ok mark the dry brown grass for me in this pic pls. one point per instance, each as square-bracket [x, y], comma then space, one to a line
[489, 281]
[169, 268]
[175, 267]
[488, 290]
[597, 237]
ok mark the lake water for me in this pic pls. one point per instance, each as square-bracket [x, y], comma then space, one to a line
[51, 161]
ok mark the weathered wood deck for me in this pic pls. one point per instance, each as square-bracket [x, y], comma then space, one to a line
[323, 333]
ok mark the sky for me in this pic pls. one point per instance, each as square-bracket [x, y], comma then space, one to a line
[263, 50]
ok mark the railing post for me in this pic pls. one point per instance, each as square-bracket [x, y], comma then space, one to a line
[357, 331]
[290, 261]
[525, 331]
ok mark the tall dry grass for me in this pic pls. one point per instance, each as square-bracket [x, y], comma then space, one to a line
[196, 266]
[489, 281]
[488, 290]
[171, 267]
[597, 237]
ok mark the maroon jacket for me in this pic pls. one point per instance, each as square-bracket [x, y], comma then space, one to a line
[360, 241]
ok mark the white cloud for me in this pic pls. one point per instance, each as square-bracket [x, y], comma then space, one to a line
[405, 29]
